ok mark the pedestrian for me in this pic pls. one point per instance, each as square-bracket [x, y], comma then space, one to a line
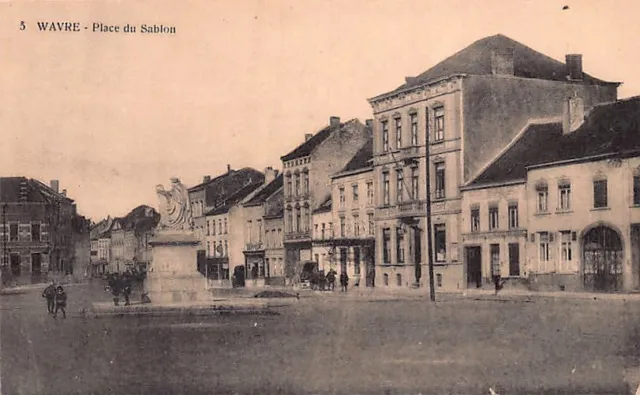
[115, 286]
[126, 290]
[495, 269]
[61, 302]
[344, 281]
[331, 279]
[50, 294]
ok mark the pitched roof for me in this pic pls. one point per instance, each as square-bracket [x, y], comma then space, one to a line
[12, 189]
[476, 60]
[308, 146]
[234, 199]
[361, 160]
[324, 206]
[268, 190]
[608, 129]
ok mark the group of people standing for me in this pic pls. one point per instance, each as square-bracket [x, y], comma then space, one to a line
[120, 284]
[56, 299]
[323, 282]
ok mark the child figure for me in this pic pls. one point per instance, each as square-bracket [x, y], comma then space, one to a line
[61, 302]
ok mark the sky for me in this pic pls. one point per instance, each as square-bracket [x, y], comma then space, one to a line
[111, 115]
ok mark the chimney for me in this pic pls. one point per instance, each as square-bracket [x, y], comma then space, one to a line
[369, 124]
[55, 185]
[64, 193]
[307, 136]
[502, 61]
[228, 168]
[574, 114]
[334, 122]
[206, 179]
[574, 67]
[270, 174]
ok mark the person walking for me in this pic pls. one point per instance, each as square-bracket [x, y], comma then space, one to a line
[61, 302]
[126, 289]
[50, 294]
[344, 281]
[331, 280]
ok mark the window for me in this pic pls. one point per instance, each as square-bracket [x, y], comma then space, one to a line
[542, 197]
[13, 232]
[323, 228]
[342, 227]
[636, 190]
[439, 180]
[341, 197]
[600, 193]
[289, 186]
[399, 245]
[439, 280]
[439, 124]
[220, 226]
[398, 132]
[385, 136]
[371, 224]
[289, 221]
[259, 222]
[386, 245]
[414, 129]
[355, 192]
[298, 220]
[208, 248]
[249, 231]
[226, 229]
[493, 218]
[513, 215]
[385, 279]
[35, 232]
[356, 261]
[305, 185]
[213, 227]
[415, 184]
[400, 185]
[440, 236]
[475, 219]
[564, 196]
[543, 252]
[356, 225]
[297, 184]
[226, 248]
[565, 247]
[370, 193]
[208, 228]
[495, 259]
[385, 186]
[307, 219]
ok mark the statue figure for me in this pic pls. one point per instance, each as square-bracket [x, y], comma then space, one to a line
[175, 208]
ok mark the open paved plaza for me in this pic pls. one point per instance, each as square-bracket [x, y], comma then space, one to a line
[326, 344]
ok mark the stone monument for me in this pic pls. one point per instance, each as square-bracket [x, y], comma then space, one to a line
[173, 275]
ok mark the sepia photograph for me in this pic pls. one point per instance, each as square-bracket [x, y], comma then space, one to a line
[319, 197]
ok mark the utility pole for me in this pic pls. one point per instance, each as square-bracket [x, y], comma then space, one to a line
[432, 291]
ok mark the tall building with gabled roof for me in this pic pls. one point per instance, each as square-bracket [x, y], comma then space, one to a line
[307, 170]
[469, 106]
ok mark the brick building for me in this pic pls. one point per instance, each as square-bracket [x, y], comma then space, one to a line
[38, 223]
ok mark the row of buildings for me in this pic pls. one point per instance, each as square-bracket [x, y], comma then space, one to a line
[533, 169]
[122, 243]
[41, 230]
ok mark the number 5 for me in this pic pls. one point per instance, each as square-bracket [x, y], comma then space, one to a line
[22, 25]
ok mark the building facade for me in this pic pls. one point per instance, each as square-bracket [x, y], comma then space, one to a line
[307, 171]
[37, 230]
[353, 211]
[323, 244]
[579, 234]
[469, 107]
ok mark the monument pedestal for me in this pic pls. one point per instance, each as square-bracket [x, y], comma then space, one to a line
[173, 275]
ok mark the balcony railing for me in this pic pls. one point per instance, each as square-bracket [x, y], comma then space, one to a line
[254, 247]
[412, 208]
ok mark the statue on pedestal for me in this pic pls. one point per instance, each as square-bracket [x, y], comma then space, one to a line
[174, 207]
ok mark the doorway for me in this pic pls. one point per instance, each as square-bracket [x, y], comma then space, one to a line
[474, 267]
[514, 259]
[36, 264]
[15, 264]
[603, 257]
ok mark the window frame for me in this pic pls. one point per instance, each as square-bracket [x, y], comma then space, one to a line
[440, 179]
[398, 130]
[414, 129]
[385, 135]
[600, 201]
[439, 124]
[440, 237]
